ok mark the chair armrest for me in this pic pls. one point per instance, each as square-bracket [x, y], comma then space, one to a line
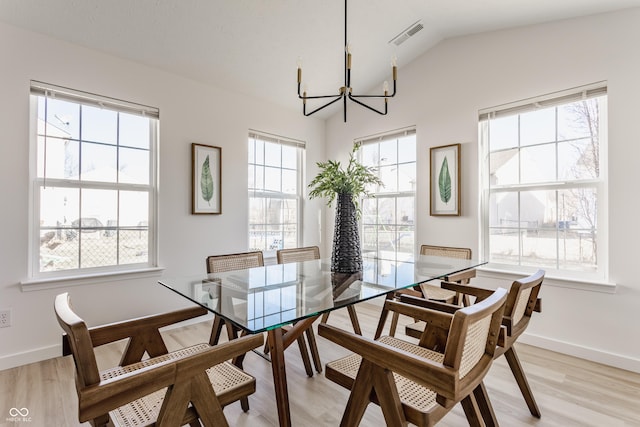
[479, 293]
[429, 304]
[111, 332]
[436, 318]
[538, 307]
[144, 333]
[218, 353]
[426, 372]
[463, 276]
[112, 393]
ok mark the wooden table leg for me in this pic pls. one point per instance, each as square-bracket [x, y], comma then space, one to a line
[276, 348]
[279, 340]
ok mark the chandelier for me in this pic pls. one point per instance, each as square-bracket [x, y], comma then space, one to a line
[345, 92]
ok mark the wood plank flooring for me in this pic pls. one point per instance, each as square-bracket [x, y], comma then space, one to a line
[569, 391]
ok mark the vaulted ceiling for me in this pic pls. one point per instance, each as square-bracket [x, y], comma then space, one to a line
[253, 46]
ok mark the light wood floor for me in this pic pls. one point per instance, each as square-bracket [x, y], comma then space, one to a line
[569, 391]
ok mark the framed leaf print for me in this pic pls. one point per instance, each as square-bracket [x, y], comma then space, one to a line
[207, 177]
[445, 180]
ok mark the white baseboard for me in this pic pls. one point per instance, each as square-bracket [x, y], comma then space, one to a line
[39, 354]
[591, 354]
[31, 356]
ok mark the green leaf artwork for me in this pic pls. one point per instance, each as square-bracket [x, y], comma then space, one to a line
[444, 182]
[206, 181]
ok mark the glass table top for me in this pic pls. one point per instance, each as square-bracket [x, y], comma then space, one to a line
[263, 298]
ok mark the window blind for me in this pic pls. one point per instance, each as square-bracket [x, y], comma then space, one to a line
[398, 133]
[544, 101]
[276, 139]
[59, 92]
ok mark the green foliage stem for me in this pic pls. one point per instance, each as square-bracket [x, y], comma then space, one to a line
[333, 179]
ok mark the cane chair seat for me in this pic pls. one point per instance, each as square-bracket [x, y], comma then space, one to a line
[227, 380]
[343, 371]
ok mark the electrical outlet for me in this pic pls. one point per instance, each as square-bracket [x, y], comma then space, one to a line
[5, 318]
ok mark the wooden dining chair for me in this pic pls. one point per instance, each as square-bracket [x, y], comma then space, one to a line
[428, 290]
[221, 264]
[308, 253]
[522, 301]
[415, 384]
[186, 386]
[228, 262]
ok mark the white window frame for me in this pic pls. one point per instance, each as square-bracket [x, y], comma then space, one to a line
[298, 197]
[379, 195]
[600, 184]
[39, 180]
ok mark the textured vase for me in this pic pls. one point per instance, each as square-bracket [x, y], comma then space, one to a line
[346, 256]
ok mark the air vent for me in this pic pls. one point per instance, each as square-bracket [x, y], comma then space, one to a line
[408, 32]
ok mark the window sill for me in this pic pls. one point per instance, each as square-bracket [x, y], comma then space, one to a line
[88, 279]
[550, 280]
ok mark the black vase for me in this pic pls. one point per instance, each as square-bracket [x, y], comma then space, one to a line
[346, 256]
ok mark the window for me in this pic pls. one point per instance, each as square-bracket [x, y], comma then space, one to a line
[275, 192]
[93, 182]
[388, 218]
[544, 183]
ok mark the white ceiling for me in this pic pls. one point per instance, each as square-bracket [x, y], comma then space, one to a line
[252, 46]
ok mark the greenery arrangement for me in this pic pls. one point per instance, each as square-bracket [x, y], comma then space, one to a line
[333, 179]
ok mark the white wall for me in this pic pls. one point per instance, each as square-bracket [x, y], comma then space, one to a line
[190, 112]
[441, 93]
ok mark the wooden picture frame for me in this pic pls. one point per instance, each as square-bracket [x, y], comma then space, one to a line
[206, 169]
[444, 189]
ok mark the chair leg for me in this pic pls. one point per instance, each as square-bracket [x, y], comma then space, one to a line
[216, 329]
[394, 323]
[305, 356]
[359, 396]
[354, 319]
[484, 404]
[383, 319]
[352, 315]
[313, 348]
[518, 373]
[472, 411]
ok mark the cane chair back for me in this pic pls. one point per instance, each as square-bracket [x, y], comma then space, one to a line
[298, 254]
[239, 261]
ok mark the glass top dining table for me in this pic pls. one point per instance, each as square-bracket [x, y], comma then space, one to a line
[262, 298]
[267, 298]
